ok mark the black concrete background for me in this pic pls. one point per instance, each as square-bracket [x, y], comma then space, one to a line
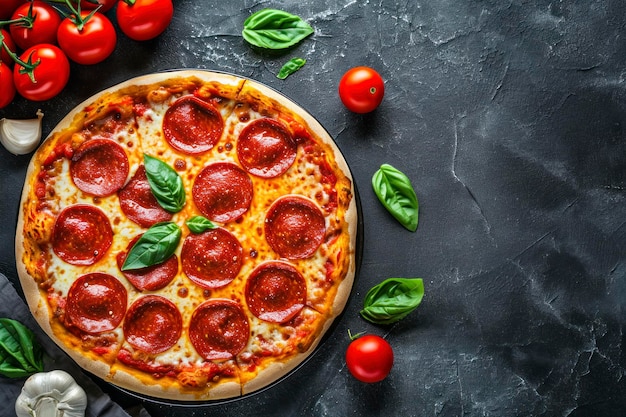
[508, 116]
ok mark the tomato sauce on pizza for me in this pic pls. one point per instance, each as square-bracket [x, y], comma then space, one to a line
[187, 235]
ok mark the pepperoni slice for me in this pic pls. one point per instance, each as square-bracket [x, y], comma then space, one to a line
[222, 192]
[138, 202]
[99, 167]
[294, 227]
[153, 324]
[212, 259]
[219, 329]
[81, 235]
[96, 303]
[265, 148]
[275, 292]
[151, 278]
[192, 126]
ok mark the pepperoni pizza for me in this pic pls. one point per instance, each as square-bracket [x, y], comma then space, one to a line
[187, 235]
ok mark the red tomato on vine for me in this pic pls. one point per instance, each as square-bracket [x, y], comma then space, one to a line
[43, 73]
[105, 5]
[7, 7]
[87, 40]
[5, 58]
[144, 19]
[36, 23]
[7, 87]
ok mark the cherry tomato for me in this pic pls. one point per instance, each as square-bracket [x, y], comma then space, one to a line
[4, 56]
[146, 19]
[369, 358]
[45, 22]
[361, 89]
[7, 7]
[91, 44]
[106, 5]
[51, 74]
[7, 87]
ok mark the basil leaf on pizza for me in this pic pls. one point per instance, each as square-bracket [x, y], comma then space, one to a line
[275, 29]
[199, 224]
[156, 245]
[165, 183]
[392, 300]
[394, 190]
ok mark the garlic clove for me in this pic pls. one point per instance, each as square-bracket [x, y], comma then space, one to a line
[21, 136]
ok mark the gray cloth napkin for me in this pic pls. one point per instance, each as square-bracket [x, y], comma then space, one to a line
[99, 403]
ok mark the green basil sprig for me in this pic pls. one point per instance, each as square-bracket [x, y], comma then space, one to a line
[392, 300]
[290, 67]
[199, 224]
[165, 183]
[275, 29]
[20, 353]
[394, 190]
[153, 247]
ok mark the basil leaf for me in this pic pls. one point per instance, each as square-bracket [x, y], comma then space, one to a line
[394, 190]
[392, 300]
[14, 370]
[274, 29]
[290, 67]
[165, 183]
[199, 224]
[32, 350]
[20, 354]
[153, 247]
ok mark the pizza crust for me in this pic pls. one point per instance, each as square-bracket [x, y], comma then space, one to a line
[36, 297]
[130, 382]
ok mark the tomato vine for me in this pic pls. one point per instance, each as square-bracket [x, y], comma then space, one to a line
[62, 30]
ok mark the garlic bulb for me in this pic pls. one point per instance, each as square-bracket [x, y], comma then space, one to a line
[21, 136]
[51, 394]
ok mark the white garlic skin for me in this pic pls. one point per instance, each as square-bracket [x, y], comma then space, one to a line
[51, 394]
[21, 136]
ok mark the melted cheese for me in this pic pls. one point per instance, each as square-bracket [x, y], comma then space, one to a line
[304, 177]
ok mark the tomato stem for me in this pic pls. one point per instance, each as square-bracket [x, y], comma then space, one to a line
[129, 2]
[22, 21]
[354, 336]
[28, 67]
[74, 14]
[29, 18]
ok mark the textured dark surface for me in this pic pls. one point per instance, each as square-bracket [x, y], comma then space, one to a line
[508, 116]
